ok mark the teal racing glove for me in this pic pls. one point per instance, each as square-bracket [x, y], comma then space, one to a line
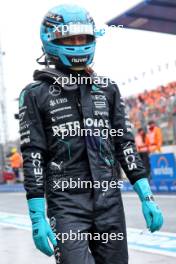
[152, 214]
[41, 229]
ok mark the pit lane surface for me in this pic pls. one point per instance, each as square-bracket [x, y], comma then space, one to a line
[16, 243]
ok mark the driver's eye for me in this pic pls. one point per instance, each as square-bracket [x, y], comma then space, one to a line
[57, 41]
[70, 40]
[81, 38]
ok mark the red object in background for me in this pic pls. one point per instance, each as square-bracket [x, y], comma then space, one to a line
[8, 176]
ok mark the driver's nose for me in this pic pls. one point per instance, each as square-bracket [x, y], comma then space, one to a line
[79, 40]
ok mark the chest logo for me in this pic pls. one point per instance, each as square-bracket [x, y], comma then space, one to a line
[54, 90]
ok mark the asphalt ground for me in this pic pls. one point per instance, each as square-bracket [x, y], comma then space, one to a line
[16, 245]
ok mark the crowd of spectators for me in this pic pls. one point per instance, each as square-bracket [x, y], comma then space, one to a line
[158, 105]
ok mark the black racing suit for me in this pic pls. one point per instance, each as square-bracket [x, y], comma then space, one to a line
[47, 108]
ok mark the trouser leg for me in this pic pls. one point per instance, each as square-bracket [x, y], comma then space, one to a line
[112, 223]
[73, 218]
[73, 250]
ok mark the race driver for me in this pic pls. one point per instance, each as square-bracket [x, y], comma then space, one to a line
[47, 108]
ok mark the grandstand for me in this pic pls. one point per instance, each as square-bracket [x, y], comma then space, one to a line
[159, 105]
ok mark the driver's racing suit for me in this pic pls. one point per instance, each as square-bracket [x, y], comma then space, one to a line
[46, 109]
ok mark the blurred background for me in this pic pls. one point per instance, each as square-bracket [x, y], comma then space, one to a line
[138, 52]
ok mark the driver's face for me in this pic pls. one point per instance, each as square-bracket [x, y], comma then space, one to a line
[74, 40]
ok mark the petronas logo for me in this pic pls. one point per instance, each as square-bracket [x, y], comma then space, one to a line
[21, 100]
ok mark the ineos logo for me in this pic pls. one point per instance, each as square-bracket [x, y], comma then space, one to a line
[54, 90]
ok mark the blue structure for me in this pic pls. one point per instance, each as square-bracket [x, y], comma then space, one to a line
[152, 15]
[163, 172]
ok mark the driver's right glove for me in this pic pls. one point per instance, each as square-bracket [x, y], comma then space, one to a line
[41, 229]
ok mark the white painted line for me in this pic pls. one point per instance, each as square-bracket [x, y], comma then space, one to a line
[15, 220]
[152, 251]
[164, 196]
[13, 193]
[162, 243]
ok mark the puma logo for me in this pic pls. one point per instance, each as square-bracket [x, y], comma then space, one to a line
[59, 166]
